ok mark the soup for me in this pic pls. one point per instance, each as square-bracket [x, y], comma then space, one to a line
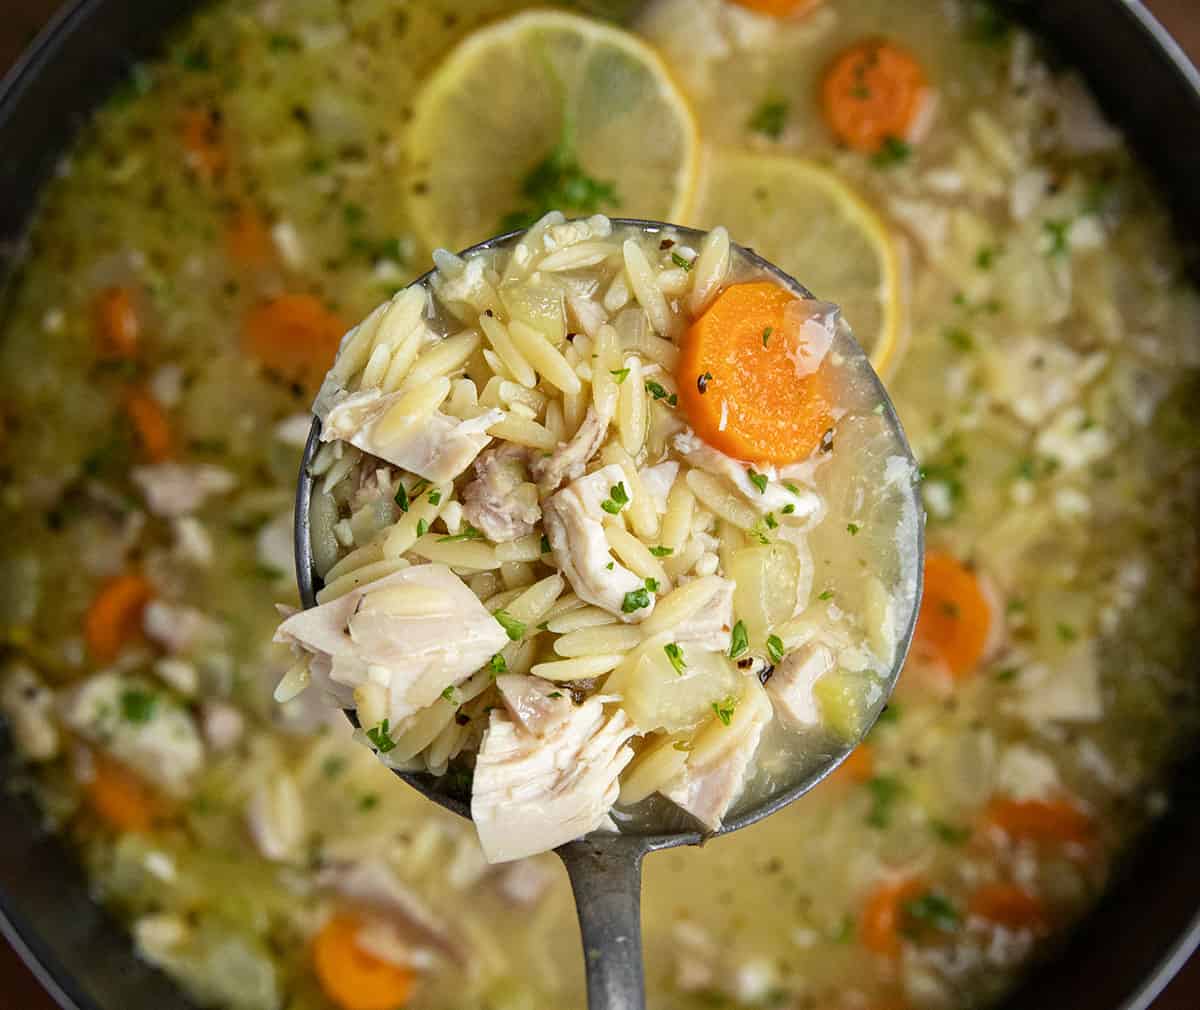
[617, 584]
[1004, 262]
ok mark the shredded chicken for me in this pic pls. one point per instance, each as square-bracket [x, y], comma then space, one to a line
[569, 460]
[438, 449]
[223, 725]
[791, 685]
[176, 489]
[539, 706]
[525, 882]
[709, 629]
[500, 502]
[371, 884]
[275, 818]
[533, 794]
[413, 633]
[178, 628]
[657, 480]
[773, 497]
[708, 789]
[574, 524]
[140, 727]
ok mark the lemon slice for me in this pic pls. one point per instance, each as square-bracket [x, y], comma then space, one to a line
[547, 110]
[806, 219]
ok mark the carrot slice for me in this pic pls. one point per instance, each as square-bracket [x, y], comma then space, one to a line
[781, 8]
[956, 616]
[150, 424]
[353, 978]
[117, 324]
[294, 335]
[738, 383]
[858, 767]
[1009, 906]
[874, 92]
[1039, 820]
[247, 239]
[883, 915]
[121, 798]
[203, 145]
[115, 616]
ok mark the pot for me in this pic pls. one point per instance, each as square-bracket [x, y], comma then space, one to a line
[83, 956]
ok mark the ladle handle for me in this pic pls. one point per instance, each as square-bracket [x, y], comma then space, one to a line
[606, 876]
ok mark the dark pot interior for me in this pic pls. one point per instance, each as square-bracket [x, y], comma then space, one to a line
[82, 955]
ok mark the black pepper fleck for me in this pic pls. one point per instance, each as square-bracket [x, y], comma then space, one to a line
[702, 382]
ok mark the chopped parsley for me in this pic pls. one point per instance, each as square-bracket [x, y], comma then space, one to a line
[986, 257]
[825, 594]
[662, 552]
[949, 833]
[893, 151]
[138, 706]
[333, 766]
[682, 745]
[934, 910]
[449, 694]
[766, 336]
[1007, 673]
[739, 642]
[1058, 234]
[1066, 632]
[759, 480]
[545, 544]
[381, 737]
[885, 793]
[792, 487]
[652, 585]
[675, 655]
[512, 627]
[468, 533]
[775, 648]
[617, 499]
[770, 520]
[770, 118]
[498, 664]
[620, 374]
[369, 801]
[279, 43]
[402, 498]
[702, 382]
[986, 25]
[959, 338]
[422, 527]
[555, 695]
[788, 509]
[635, 599]
[679, 261]
[852, 529]
[610, 566]
[724, 708]
[435, 498]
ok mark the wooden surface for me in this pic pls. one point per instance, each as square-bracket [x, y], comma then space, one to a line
[22, 19]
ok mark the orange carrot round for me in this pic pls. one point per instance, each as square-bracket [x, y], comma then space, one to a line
[1057, 820]
[1009, 906]
[955, 621]
[115, 616]
[883, 915]
[353, 978]
[294, 335]
[781, 8]
[121, 798]
[737, 378]
[150, 424]
[203, 145]
[874, 92]
[247, 239]
[858, 767]
[118, 326]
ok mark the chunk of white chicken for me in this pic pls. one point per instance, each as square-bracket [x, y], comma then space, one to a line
[570, 459]
[438, 449]
[411, 634]
[574, 522]
[373, 885]
[139, 725]
[792, 684]
[525, 882]
[657, 480]
[28, 705]
[533, 794]
[709, 628]
[223, 725]
[539, 706]
[275, 818]
[178, 629]
[177, 489]
[500, 501]
[771, 497]
[717, 768]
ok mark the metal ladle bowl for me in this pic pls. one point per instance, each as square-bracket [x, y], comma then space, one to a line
[605, 868]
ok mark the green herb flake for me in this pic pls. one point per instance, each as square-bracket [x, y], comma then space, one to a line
[1066, 632]
[844, 932]
[788, 509]
[675, 655]
[885, 792]
[662, 552]
[792, 487]
[555, 695]
[958, 338]
[682, 745]
[435, 498]
[617, 499]
[770, 520]
[893, 151]
[635, 599]
[279, 43]
[739, 641]
[498, 664]
[652, 585]
[825, 594]
[449, 694]
[610, 566]
[620, 374]
[512, 627]
[702, 381]
[197, 58]
[381, 737]
[985, 258]
[545, 544]
[333, 766]
[934, 910]
[852, 529]
[138, 706]
[949, 833]
[422, 527]
[1058, 234]
[657, 390]
[684, 264]
[766, 335]
[469, 533]
[759, 480]
[724, 708]
[775, 648]
[402, 498]
[1006, 674]
[368, 802]
[770, 118]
